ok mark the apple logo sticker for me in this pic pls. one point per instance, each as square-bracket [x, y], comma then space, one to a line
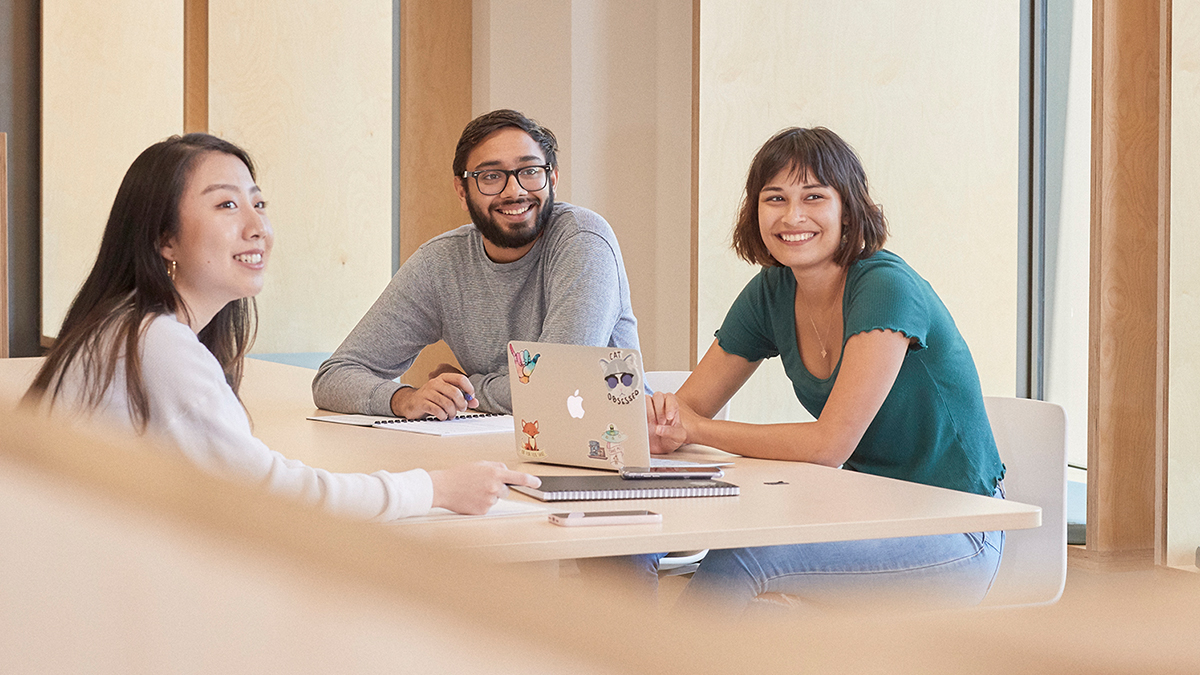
[575, 405]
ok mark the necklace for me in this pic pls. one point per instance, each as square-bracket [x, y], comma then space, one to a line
[820, 340]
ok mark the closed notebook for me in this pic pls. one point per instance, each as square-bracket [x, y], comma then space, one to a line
[585, 488]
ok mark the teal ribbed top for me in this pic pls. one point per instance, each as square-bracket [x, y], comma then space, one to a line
[932, 427]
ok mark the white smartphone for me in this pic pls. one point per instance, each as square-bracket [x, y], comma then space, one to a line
[581, 518]
[640, 472]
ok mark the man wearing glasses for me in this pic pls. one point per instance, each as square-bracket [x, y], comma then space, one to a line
[526, 268]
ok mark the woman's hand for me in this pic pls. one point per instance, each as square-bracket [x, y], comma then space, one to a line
[664, 418]
[474, 488]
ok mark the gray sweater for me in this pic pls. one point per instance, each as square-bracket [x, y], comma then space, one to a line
[570, 288]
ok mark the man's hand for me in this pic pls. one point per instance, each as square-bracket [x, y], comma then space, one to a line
[442, 397]
[664, 418]
[475, 488]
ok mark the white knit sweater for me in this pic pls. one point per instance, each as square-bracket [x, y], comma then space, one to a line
[193, 410]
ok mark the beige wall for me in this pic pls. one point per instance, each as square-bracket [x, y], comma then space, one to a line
[306, 87]
[612, 79]
[927, 95]
[1183, 471]
[112, 84]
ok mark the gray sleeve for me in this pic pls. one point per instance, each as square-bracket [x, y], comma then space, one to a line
[359, 376]
[583, 292]
[582, 301]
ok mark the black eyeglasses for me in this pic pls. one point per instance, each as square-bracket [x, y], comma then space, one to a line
[625, 379]
[493, 181]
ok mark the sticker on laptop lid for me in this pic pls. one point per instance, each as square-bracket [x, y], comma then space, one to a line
[610, 446]
[621, 375]
[529, 448]
[523, 363]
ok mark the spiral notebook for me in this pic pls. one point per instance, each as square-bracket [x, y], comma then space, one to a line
[465, 423]
[588, 488]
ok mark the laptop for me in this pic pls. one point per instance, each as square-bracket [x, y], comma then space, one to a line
[580, 406]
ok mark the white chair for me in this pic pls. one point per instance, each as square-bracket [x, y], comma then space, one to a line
[1032, 438]
[678, 562]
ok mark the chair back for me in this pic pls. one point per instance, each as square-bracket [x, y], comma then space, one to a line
[1032, 439]
[672, 380]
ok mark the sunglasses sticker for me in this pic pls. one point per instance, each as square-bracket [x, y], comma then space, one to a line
[609, 447]
[529, 448]
[621, 377]
[523, 363]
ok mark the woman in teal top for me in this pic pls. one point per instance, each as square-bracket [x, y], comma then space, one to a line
[897, 395]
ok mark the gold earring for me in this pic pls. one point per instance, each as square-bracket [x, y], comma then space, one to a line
[171, 265]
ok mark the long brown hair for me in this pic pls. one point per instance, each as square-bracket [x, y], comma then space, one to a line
[831, 161]
[129, 283]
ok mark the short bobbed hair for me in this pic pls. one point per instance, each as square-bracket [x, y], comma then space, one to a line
[825, 157]
[478, 129]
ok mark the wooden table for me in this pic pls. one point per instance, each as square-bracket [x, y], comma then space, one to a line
[780, 502]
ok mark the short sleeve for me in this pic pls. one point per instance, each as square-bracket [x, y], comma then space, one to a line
[887, 295]
[747, 331]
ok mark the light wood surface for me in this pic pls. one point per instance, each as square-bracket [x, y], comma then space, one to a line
[813, 503]
[1129, 296]
[120, 559]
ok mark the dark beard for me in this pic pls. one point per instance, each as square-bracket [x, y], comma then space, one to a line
[498, 236]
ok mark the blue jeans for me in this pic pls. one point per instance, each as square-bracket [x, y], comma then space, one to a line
[930, 572]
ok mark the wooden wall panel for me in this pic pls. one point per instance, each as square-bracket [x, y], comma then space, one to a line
[1183, 473]
[306, 87]
[1129, 301]
[112, 84]
[435, 105]
[3, 245]
[927, 93]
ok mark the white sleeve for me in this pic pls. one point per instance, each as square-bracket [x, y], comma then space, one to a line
[194, 408]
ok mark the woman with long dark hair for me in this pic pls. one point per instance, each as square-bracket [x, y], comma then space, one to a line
[872, 354]
[156, 337]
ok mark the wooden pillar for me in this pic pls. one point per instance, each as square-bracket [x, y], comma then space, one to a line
[1127, 386]
[3, 245]
[195, 66]
[435, 105]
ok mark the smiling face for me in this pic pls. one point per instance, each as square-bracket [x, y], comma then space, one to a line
[511, 221]
[800, 220]
[224, 237]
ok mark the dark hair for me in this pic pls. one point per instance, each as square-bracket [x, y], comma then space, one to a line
[828, 159]
[129, 282]
[478, 129]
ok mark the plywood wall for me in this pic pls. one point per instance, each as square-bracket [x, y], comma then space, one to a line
[112, 84]
[927, 94]
[1183, 472]
[306, 87]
